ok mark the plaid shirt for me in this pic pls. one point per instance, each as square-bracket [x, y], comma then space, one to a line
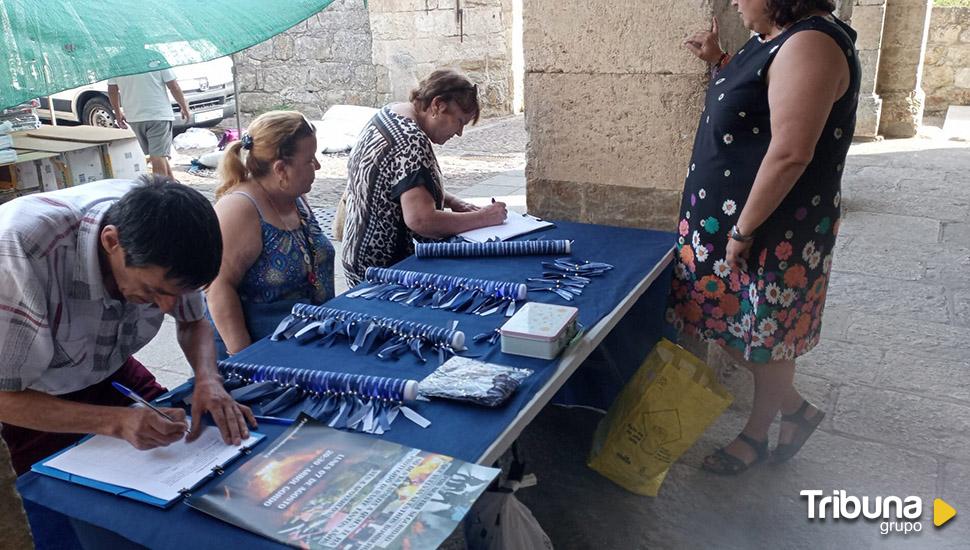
[60, 331]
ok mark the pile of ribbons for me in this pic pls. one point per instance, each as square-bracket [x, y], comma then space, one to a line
[365, 333]
[448, 292]
[567, 278]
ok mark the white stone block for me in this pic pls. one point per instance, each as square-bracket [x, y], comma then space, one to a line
[957, 123]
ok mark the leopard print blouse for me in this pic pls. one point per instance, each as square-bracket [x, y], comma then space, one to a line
[392, 155]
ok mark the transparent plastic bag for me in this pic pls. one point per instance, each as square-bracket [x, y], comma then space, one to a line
[499, 521]
[465, 379]
[195, 138]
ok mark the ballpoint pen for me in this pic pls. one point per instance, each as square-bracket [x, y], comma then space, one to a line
[130, 394]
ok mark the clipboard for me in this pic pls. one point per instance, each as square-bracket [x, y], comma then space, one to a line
[41, 467]
[514, 225]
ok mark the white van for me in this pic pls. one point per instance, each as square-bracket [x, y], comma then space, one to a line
[207, 87]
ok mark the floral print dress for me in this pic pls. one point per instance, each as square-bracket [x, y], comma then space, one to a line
[773, 309]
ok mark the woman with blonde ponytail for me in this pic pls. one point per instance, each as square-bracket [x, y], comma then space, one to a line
[274, 252]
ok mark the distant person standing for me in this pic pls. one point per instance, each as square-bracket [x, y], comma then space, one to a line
[141, 101]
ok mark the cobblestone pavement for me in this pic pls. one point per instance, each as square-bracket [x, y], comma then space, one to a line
[892, 372]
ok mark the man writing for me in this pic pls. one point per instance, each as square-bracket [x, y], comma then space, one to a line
[141, 101]
[90, 272]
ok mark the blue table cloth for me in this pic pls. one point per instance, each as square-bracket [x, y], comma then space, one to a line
[457, 429]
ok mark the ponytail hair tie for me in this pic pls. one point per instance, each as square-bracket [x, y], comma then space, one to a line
[247, 141]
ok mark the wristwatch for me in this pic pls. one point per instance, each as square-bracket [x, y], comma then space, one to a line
[739, 236]
[720, 61]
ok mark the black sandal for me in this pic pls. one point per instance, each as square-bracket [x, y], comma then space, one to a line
[723, 463]
[805, 428]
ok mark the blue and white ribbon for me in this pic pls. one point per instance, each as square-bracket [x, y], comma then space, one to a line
[391, 337]
[342, 400]
[567, 278]
[492, 248]
[448, 292]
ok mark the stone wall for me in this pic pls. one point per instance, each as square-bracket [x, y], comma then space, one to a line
[612, 100]
[349, 53]
[411, 38]
[946, 73]
[323, 61]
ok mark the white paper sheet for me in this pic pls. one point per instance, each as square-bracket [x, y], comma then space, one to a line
[161, 472]
[515, 225]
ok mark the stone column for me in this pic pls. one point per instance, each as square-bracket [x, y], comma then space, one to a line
[843, 8]
[13, 521]
[612, 101]
[946, 72]
[901, 66]
[867, 19]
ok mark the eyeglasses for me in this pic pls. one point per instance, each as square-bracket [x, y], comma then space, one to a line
[288, 143]
[306, 121]
[247, 139]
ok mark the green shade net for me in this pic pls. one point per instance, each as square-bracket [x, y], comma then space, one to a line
[53, 45]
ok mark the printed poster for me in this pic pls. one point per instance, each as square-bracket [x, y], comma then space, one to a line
[317, 487]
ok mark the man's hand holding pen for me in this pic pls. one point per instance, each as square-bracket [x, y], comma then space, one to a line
[145, 429]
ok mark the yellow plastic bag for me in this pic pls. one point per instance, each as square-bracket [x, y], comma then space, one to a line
[666, 406]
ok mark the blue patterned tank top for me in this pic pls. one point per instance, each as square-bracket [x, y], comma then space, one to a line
[280, 276]
[281, 272]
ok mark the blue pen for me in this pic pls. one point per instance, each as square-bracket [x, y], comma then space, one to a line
[139, 399]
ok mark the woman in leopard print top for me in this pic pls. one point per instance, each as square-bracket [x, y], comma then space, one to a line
[394, 189]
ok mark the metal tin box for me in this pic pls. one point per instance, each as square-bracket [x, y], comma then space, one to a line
[539, 330]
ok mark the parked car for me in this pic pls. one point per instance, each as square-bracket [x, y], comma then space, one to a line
[207, 87]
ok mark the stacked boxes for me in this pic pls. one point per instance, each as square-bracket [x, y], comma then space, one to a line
[20, 118]
[37, 177]
[8, 175]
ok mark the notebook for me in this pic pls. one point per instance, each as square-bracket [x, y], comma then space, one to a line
[514, 225]
[157, 476]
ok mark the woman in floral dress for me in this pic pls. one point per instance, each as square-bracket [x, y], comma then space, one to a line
[760, 208]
